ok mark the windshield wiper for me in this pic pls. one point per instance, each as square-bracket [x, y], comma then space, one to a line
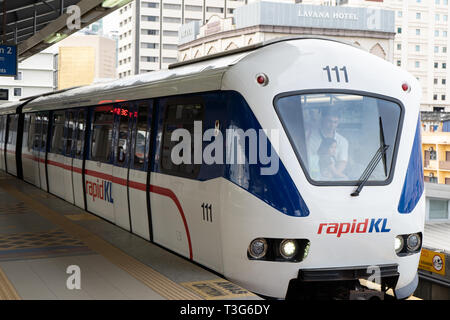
[380, 154]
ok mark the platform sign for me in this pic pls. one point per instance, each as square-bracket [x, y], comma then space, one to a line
[432, 261]
[8, 61]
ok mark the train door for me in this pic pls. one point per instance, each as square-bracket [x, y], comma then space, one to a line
[185, 195]
[99, 164]
[28, 162]
[41, 150]
[2, 142]
[55, 156]
[78, 158]
[69, 129]
[11, 164]
[122, 141]
[139, 164]
[34, 143]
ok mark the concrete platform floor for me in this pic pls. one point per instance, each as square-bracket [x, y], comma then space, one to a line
[50, 249]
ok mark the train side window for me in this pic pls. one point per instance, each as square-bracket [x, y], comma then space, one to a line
[140, 143]
[31, 133]
[57, 142]
[81, 129]
[102, 134]
[44, 130]
[26, 131]
[180, 116]
[2, 130]
[70, 126]
[12, 129]
[122, 145]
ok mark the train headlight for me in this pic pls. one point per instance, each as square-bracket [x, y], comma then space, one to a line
[399, 243]
[258, 248]
[288, 248]
[413, 242]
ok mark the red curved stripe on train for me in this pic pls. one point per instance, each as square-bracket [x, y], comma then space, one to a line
[139, 186]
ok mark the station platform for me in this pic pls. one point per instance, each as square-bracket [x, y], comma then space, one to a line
[50, 249]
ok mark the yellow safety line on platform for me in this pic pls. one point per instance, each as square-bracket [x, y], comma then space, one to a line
[143, 273]
[7, 290]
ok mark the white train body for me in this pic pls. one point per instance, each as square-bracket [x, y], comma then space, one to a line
[211, 213]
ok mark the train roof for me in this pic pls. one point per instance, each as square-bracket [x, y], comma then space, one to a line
[196, 75]
[10, 107]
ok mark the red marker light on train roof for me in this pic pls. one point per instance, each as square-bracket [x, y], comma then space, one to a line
[262, 79]
[406, 87]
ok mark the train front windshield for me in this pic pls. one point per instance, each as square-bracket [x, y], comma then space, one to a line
[337, 136]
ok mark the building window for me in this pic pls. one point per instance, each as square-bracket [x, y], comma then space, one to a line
[444, 34]
[435, 81]
[443, 97]
[443, 81]
[418, 15]
[436, 65]
[436, 17]
[436, 33]
[417, 64]
[18, 76]
[399, 14]
[399, 46]
[417, 48]
[171, 20]
[444, 65]
[17, 92]
[150, 5]
[434, 96]
[399, 30]
[399, 63]
[438, 209]
[150, 18]
[417, 32]
[172, 6]
[214, 9]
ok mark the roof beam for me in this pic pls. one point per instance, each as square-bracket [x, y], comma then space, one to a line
[28, 6]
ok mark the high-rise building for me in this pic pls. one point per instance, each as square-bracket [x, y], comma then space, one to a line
[420, 44]
[148, 30]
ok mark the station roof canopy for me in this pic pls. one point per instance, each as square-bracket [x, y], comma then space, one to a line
[34, 25]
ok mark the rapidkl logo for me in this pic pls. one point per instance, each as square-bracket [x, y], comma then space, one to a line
[376, 225]
[101, 190]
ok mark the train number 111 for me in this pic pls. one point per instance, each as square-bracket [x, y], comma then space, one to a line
[337, 72]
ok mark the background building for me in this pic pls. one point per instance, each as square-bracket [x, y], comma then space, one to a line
[148, 30]
[85, 59]
[372, 30]
[421, 43]
[35, 76]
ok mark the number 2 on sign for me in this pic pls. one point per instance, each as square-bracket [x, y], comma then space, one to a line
[337, 72]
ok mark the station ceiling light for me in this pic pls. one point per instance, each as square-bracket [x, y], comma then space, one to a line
[114, 3]
[56, 37]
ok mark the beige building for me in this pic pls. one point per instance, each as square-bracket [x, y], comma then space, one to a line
[85, 59]
[255, 23]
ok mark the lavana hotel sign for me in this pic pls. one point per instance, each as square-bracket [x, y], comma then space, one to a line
[311, 16]
[364, 18]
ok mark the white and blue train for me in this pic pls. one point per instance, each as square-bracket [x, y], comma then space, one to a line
[319, 184]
